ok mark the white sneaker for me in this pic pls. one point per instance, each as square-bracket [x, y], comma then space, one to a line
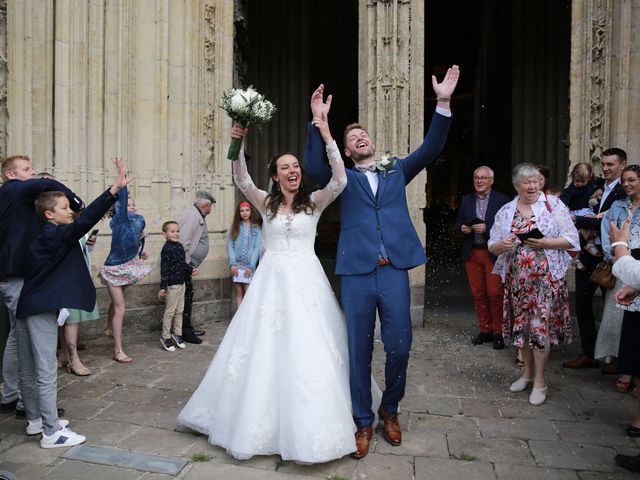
[178, 341]
[62, 438]
[167, 345]
[538, 396]
[35, 427]
[520, 385]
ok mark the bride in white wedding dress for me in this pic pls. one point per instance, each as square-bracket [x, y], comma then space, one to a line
[279, 382]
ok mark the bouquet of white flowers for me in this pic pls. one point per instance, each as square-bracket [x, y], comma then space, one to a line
[245, 107]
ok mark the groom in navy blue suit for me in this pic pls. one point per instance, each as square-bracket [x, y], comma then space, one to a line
[377, 246]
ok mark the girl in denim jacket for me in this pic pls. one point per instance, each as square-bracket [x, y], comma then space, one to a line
[243, 248]
[124, 265]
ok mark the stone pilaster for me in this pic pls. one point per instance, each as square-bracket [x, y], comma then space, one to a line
[30, 80]
[4, 74]
[604, 94]
[391, 91]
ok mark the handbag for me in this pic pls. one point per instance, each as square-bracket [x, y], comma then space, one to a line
[602, 275]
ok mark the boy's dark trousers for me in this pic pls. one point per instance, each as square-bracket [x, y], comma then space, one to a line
[188, 333]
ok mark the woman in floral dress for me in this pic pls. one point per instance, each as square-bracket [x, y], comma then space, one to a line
[532, 235]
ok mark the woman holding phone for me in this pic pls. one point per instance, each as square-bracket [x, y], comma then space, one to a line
[531, 236]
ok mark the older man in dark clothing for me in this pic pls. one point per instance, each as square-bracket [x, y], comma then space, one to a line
[474, 221]
[194, 236]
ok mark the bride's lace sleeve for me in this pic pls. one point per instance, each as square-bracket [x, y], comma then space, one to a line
[322, 198]
[245, 183]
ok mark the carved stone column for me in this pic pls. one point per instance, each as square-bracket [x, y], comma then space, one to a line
[4, 116]
[604, 94]
[391, 91]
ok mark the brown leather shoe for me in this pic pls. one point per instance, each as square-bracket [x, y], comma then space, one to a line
[392, 432]
[582, 362]
[363, 437]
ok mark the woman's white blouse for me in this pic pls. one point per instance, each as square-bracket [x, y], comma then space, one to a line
[554, 224]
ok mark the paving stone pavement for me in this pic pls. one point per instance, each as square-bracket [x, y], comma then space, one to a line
[459, 419]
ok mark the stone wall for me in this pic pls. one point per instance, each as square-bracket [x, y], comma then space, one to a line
[605, 95]
[84, 81]
[87, 81]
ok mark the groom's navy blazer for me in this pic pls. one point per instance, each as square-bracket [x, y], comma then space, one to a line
[367, 220]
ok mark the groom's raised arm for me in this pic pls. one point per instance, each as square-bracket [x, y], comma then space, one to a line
[431, 147]
[437, 135]
[315, 166]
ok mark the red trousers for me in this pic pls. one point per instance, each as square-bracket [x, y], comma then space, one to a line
[486, 290]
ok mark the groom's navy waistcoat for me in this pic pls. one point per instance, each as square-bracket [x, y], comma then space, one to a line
[366, 220]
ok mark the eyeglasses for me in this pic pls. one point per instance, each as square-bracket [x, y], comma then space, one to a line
[526, 183]
[482, 178]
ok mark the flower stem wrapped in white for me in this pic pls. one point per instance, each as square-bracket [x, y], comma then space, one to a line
[245, 107]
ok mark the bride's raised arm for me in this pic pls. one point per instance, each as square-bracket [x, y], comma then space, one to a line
[241, 175]
[322, 198]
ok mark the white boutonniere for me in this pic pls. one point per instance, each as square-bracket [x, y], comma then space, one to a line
[386, 164]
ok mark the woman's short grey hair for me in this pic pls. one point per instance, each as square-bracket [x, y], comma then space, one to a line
[524, 170]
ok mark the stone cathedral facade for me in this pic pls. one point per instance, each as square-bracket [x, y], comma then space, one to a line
[83, 81]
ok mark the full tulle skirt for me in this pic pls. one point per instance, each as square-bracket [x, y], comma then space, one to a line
[279, 382]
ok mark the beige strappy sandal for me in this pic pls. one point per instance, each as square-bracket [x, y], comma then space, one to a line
[79, 369]
[122, 357]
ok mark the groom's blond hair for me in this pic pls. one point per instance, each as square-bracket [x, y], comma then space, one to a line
[348, 128]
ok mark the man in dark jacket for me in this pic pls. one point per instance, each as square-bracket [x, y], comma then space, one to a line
[19, 225]
[474, 221]
[613, 162]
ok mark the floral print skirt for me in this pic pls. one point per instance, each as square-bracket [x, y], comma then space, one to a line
[536, 305]
[124, 274]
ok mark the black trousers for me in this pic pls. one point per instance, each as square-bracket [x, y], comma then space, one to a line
[584, 293]
[188, 305]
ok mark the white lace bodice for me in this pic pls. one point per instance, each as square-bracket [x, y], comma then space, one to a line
[292, 233]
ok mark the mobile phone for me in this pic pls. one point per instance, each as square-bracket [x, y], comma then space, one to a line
[94, 233]
[535, 233]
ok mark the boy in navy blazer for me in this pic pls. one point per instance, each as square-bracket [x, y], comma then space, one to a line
[377, 246]
[57, 277]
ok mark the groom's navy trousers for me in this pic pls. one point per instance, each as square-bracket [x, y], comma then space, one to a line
[387, 289]
[372, 224]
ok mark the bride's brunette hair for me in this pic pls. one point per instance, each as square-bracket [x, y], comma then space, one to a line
[301, 201]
